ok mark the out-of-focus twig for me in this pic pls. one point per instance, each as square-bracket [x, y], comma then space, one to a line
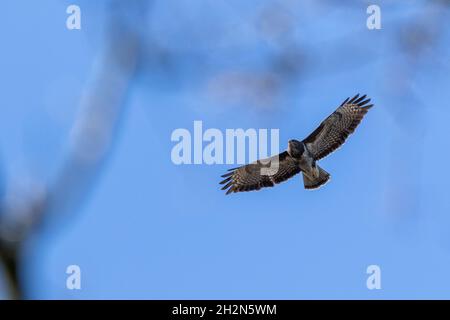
[416, 39]
[91, 139]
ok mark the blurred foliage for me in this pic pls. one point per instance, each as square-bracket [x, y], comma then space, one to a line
[131, 50]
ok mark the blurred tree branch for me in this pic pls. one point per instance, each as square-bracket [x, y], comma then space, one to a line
[95, 127]
[415, 40]
[91, 140]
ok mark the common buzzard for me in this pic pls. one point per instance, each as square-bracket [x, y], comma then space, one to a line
[301, 156]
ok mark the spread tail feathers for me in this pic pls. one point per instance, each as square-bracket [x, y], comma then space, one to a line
[314, 183]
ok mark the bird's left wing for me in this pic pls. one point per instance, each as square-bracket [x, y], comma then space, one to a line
[335, 129]
[261, 173]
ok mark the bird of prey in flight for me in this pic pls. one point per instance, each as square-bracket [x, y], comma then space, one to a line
[301, 156]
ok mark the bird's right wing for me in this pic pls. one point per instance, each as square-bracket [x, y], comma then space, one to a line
[260, 174]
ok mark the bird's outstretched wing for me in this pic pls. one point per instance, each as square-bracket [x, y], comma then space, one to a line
[260, 174]
[335, 129]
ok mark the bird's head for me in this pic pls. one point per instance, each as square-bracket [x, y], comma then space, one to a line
[295, 148]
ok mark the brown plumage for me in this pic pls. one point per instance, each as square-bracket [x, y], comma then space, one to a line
[335, 129]
[250, 177]
[301, 156]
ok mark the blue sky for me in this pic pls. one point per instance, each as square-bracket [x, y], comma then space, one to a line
[148, 229]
